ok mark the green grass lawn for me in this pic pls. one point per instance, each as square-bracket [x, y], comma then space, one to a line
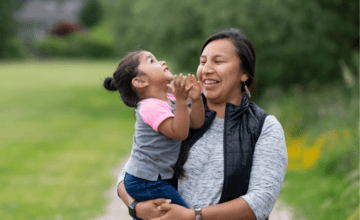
[61, 134]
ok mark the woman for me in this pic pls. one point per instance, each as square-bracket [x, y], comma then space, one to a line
[237, 160]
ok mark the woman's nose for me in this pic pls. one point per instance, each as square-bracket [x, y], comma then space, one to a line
[207, 68]
[162, 63]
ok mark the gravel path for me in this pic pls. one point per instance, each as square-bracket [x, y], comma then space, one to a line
[116, 209]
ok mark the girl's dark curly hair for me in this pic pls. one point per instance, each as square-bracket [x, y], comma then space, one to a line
[122, 79]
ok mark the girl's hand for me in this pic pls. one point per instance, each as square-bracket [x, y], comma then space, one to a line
[175, 212]
[148, 209]
[195, 92]
[181, 87]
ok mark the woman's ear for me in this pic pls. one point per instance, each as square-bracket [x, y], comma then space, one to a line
[140, 82]
[244, 77]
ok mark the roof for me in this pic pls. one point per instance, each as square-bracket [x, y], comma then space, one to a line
[40, 10]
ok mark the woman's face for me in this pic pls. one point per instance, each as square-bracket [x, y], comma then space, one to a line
[219, 72]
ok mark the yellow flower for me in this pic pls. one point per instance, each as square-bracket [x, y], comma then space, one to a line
[302, 158]
[355, 216]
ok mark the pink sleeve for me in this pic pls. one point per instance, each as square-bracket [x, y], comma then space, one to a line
[170, 96]
[154, 112]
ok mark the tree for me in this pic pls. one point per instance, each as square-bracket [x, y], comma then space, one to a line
[91, 14]
[9, 46]
[296, 41]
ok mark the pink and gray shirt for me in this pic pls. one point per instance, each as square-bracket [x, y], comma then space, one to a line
[153, 153]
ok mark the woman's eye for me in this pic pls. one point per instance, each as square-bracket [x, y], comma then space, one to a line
[218, 61]
[152, 61]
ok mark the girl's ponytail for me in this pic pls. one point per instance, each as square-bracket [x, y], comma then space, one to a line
[109, 84]
[122, 79]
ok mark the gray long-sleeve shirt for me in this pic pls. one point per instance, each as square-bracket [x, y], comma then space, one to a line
[204, 169]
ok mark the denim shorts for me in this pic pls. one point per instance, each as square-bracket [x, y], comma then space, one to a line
[142, 190]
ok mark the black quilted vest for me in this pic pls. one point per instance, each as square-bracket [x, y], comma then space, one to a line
[243, 124]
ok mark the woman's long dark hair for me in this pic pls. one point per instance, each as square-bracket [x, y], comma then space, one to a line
[122, 79]
[244, 50]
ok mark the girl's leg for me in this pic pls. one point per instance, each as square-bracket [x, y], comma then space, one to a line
[143, 190]
[163, 189]
[135, 187]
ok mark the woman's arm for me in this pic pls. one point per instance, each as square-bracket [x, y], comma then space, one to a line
[236, 209]
[126, 198]
[267, 175]
[268, 169]
[144, 210]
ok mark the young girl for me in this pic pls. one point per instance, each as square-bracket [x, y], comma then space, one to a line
[143, 83]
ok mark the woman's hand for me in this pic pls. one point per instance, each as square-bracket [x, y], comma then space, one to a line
[148, 209]
[175, 212]
[195, 92]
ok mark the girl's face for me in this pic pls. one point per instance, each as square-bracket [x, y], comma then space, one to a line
[156, 71]
[219, 72]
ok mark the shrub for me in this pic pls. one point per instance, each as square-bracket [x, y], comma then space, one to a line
[64, 28]
[13, 48]
[51, 46]
[75, 45]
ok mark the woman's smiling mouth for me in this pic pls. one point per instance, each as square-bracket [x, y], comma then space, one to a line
[208, 83]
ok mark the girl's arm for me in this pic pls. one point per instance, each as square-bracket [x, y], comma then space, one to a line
[177, 127]
[197, 112]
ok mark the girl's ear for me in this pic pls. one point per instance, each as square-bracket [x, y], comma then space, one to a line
[140, 82]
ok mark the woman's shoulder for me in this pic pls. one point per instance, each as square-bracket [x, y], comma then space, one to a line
[271, 120]
[272, 127]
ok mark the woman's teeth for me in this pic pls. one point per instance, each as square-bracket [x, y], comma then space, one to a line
[209, 82]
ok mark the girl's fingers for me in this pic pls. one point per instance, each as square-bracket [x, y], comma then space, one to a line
[164, 207]
[192, 78]
[178, 80]
[185, 82]
[172, 89]
[160, 201]
[175, 81]
[187, 89]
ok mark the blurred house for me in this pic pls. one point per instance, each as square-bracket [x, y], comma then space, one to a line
[36, 17]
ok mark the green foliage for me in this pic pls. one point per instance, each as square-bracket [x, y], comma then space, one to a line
[95, 44]
[61, 136]
[7, 22]
[13, 48]
[51, 46]
[91, 14]
[330, 190]
[321, 198]
[10, 47]
[296, 41]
